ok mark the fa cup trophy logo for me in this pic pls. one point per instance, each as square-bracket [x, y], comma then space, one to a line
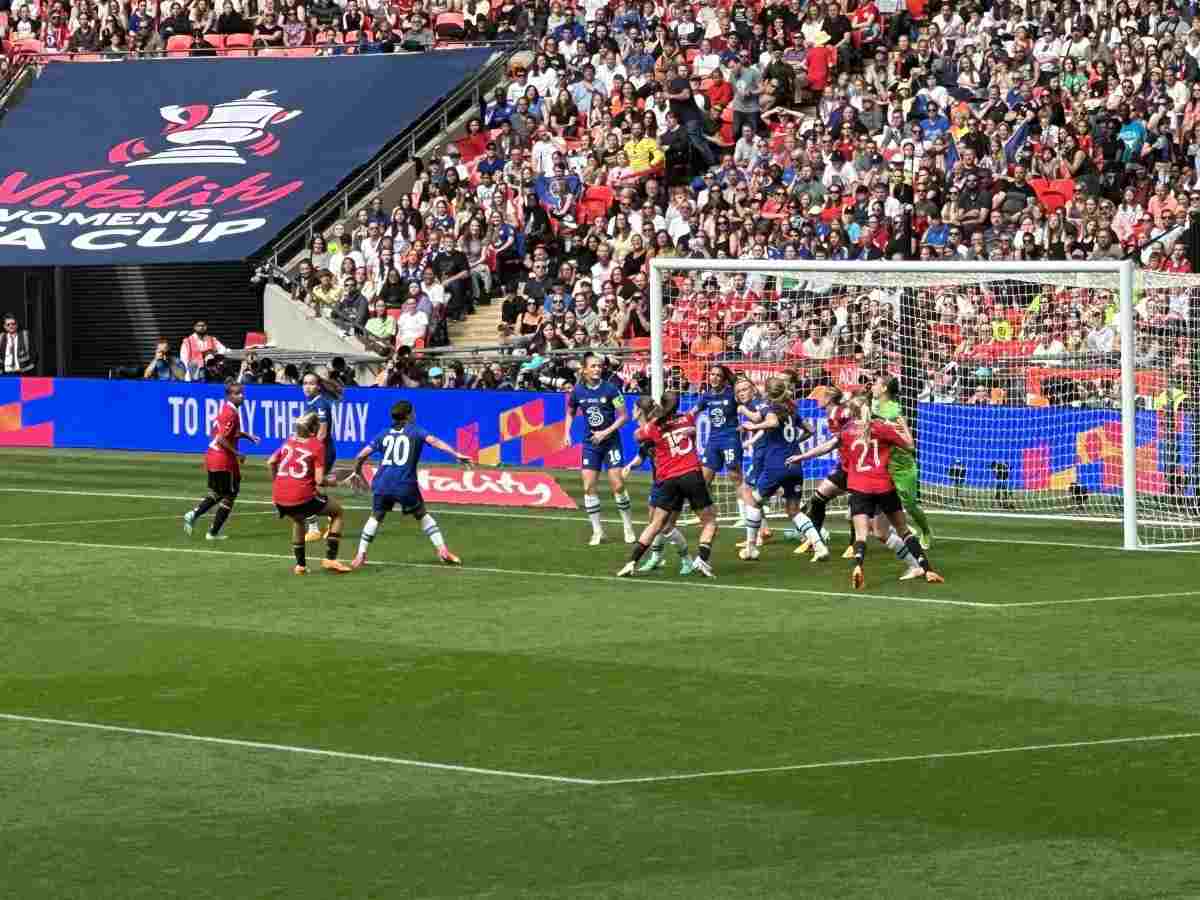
[201, 134]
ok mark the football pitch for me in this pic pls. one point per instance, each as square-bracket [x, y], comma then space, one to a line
[187, 719]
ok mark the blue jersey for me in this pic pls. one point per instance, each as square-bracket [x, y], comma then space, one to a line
[322, 405]
[400, 452]
[721, 410]
[784, 439]
[600, 404]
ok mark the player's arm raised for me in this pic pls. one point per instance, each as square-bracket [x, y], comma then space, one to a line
[769, 421]
[819, 450]
[438, 444]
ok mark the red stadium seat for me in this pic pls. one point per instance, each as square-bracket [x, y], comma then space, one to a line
[450, 26]
[273, 51]
[301, 52]
[215, 40]
[255, 339]
[179, 45]
[350, 37]
[239, 45]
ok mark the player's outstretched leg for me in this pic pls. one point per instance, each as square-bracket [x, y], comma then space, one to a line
[811, 536]
[220, 517]
[189, 518]
[912, 509]
[679, 540]
[365, 539]
[431, 530]
[913, 546]
[754, 520]
[654, 559]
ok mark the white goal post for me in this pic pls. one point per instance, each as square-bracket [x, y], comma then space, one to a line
[1061, 390]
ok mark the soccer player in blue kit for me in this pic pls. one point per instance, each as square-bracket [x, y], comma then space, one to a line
[783, 432]
[395, 482]
[320, 394]
[723, 451]
[603, 406]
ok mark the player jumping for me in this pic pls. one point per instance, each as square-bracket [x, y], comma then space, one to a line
[783, 431]
[604, 406]
[320, 394]
[670, 531]
[867, 444]
[223, 463]
[903, 464]
[681, 481]
[395, 481]
[297, 468]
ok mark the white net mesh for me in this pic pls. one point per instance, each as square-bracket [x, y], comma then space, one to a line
[1014, 381]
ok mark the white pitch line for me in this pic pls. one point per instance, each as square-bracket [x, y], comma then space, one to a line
[915, 757]
[541, 516]
[110, 521]
[288, 748]
[487, 570]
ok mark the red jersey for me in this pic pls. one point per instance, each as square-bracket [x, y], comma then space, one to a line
[674, 446]
[835, 419]
[228, 425]
[867, 452]
[296, 471]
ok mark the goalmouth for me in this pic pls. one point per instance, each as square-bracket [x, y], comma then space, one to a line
[1061, 390]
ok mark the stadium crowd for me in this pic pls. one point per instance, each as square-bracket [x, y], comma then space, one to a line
[790, 130]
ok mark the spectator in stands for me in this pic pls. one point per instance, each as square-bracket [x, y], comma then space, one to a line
[198, 347]
[411, 325]
[164, 366]
[231, 21]
[176, 24]
[17, 353]
[326, 295]
[380, 330]
[351, 312]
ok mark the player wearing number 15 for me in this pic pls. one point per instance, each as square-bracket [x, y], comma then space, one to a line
[296, 469]
[677, 468]
[395, 482]
[223, 463]
[603, 406]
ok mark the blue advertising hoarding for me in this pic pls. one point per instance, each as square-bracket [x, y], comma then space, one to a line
[1043, 449]
[197, 160]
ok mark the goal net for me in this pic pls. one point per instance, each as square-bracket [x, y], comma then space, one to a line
[1063, 390]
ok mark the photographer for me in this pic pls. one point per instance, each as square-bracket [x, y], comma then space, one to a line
[164, 367]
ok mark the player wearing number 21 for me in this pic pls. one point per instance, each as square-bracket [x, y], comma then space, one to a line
[395, 482]
[297, 468]
[677, 468]
[603, 407]
[867, 444]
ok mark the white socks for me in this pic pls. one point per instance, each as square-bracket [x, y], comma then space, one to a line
[429, 525]
[591, 505]
[624, 507]
[754, 518]
[896, 544]
[677, 538]
[807, 530]
[368, 534]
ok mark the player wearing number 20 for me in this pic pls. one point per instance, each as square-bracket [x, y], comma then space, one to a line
[603, 407]
[395, 482]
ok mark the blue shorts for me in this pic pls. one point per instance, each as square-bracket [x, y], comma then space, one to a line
[408, 498]
[608, 455]
[756, 464]
[789, 480]
[723, 453]
[655, 494]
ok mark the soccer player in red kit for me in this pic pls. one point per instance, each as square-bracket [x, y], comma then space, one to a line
[223, 463]
[865, 445]
[296, 469]
[677, 468]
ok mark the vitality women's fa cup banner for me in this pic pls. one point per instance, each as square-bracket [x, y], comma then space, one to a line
[197, 160]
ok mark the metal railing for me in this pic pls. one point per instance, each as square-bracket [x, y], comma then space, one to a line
[403, 149]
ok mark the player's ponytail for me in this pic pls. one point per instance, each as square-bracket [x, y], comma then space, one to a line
[332, 387]
[778, 389]
[306, 426]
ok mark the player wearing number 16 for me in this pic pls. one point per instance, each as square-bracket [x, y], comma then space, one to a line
[603, 406]
[395, 482]
[297, 468]
[866, 446]
[677, 467]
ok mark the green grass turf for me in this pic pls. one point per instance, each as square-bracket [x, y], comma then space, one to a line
[530, 671]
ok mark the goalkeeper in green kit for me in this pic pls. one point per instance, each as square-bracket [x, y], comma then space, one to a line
[903, 465]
